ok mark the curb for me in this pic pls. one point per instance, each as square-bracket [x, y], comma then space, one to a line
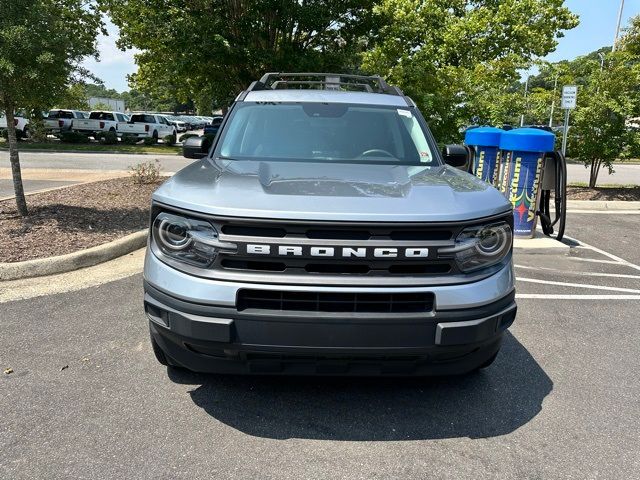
[73, 261]
[107, 152]
[602, 205]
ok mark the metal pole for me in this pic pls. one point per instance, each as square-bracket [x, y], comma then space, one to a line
[553, 100]
[615, 39]
[526, 90]
[566, 130]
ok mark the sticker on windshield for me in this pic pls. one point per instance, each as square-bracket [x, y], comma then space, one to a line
[405, 113]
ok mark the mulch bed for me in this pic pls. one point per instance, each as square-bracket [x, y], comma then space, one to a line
[73, 218]
[604, 193]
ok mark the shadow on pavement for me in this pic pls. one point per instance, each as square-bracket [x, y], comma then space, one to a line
[493, 402]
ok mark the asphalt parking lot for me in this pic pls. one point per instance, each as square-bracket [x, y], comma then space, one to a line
[88, 400]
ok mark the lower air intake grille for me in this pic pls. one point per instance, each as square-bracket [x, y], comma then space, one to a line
[335, 302]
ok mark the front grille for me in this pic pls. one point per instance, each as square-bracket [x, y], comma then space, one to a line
[334, 302]
[338, 235]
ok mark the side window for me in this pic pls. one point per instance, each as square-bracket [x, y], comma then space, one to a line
[120, 117]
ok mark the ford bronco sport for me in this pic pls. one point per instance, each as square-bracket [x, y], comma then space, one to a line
[323, 232]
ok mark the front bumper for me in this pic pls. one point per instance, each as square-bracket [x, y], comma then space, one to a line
[196, 323]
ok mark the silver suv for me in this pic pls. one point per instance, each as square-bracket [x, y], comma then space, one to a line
[323, 232]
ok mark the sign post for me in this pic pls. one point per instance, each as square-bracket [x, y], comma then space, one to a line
[569, 100]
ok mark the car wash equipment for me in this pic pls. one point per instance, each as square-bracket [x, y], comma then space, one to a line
[525, 149]
[484, 143]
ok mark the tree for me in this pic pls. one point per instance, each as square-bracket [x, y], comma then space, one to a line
[600, 132]
[41, 45]
[209, 50]
[75, 97]
[452, 56]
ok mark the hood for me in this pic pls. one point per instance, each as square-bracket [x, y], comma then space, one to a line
[331, 191]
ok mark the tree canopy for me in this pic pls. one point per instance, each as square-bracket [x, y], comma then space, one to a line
[209, 50]
[460, 58]
[42, 43]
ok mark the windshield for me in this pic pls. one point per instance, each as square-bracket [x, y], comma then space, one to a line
[60, 114]
[141, 118]
[325, 132]
[101, 116]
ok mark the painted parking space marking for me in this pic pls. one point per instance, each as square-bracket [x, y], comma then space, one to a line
[544, 296]
[577, 285]
[606, 254]
[586, 274]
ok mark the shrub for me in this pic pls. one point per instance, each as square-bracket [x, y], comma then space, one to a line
[129, 139]
[210, 137]
[37, 130]
[107, 138]
[145, 172]
[169, 140]
[187, 136]
[150, 141]
[5, 134]
[74, 137]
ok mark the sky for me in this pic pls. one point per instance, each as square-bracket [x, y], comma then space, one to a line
[597, 28]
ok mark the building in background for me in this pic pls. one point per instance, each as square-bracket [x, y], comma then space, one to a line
[114, 104]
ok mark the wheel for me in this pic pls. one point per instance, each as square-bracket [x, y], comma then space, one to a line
[112, 130]
[160, 355]
[155, 136]
[26, 134]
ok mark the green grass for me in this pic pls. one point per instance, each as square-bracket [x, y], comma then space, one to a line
[95, 147]
[605, 185]
[631, 161]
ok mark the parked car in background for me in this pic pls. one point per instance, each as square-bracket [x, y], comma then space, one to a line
[99, 121]
[213, 127]
[176, 122]
[147, 125]
[20, 121]
[61, 120]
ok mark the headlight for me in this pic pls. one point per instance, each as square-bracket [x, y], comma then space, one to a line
[481, 246]
[186, 239]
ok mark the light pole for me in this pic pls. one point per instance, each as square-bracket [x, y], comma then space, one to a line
[615, 39]
[526, 91]
[553, 99]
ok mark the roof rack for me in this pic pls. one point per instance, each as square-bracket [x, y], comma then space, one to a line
[324, 81]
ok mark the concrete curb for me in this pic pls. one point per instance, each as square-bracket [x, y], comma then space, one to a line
[602, 205]
[106, 152]
[73, 261]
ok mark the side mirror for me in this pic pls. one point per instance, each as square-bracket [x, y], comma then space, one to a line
[457, 156]
[196, 147]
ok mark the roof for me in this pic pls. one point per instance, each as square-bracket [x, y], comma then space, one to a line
[328, 96]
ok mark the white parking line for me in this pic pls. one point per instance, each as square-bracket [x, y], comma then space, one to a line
[595, 260]
[577, 285]
[606, 254]
[544, 296]
[586, 274]
[608, 212]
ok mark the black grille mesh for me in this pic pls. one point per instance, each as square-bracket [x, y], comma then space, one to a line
[334, 302]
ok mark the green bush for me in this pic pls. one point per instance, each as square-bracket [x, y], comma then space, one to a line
[74, 137]
[107, 138]
[169, 140]
[148, 141]
[5, 134]
[129, 139]
[187, 136]
[38, 132]
[210, 137]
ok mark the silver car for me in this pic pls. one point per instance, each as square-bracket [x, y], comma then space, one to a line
[323, 232]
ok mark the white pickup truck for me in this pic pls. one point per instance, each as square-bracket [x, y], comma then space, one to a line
[62, 120]
[146, 125]
[99, 121]
[21, 123]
